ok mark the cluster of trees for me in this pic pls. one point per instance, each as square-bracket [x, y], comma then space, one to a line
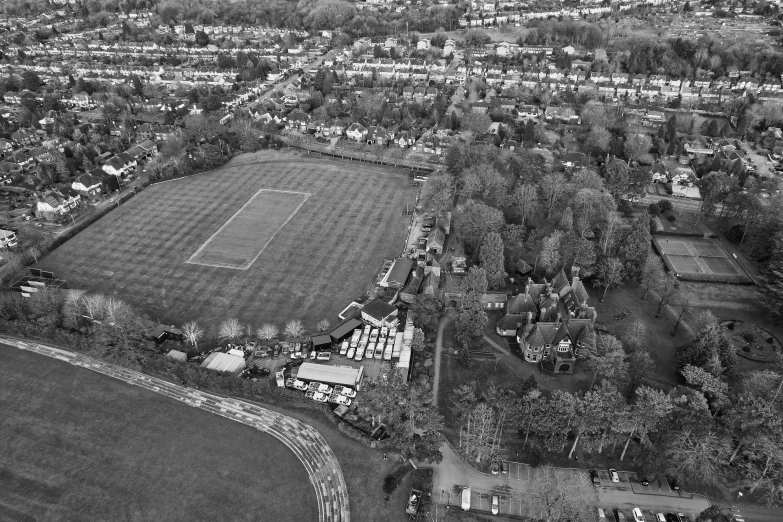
[716, 426]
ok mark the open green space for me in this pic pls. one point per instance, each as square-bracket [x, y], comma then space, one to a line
[314, 266]
[78, 445]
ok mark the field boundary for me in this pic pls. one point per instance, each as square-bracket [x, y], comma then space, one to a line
[238, 212]
[303, 440]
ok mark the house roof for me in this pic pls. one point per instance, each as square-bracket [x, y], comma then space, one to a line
[321, 340]
[344, 329]
[399, 271]
[521, 304]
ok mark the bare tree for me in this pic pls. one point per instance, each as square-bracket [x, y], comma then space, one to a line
[267, 332]
[667, 290]
[683, 306]
[192, 332]
[477, 435]
[636, 332]
[559, 494]
[323, 325]
[294, 330]
[230, 329]
[93, 306]
[115, 309]
[610, 273]
[652, 271]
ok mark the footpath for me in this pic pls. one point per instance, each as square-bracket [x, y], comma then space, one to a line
[302, 439]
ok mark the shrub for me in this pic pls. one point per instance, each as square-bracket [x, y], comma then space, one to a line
[769, 340]
[665, 205]
[746, 348]
[730, 326]
[671, 218]
[749, 336]
[654, 209]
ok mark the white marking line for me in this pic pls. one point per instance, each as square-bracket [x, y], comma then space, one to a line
[227, 223]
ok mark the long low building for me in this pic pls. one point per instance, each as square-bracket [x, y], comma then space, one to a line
[328, 374]
[223, 362]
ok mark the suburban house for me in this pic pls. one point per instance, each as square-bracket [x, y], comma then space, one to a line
[380, 313]
[356, 132]
[87, 185]
[58, 201]
[573, 159]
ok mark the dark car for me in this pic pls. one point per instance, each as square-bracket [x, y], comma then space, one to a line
[671, 517]
[504, 468]
[674, 483]
[643, 480]
[595, 478]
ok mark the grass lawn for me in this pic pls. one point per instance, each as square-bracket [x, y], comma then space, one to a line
[314, 265]
[658, 339]
[78, 445]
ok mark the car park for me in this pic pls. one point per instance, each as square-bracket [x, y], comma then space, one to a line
[495, 504]
[343, 390]
[637, 515]
[613, 474]
[595, 478]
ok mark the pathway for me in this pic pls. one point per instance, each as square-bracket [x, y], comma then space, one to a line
[307, 444]
[438, 349]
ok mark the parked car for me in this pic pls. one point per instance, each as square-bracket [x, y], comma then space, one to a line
[495, 468]
[495, 504]
[300, 385]
[324, 356]
[351, 353]
[659, 517]
[339, 399]
[601, 514]
[504, 468]
[614, 475]
[344, 348]
[643, 480]
[343, 390]
[674, 483]
[637, 515]
[619, 515]
[595, 478]
[313, 355]
[671, 517]
[320, 387]
[317, 396]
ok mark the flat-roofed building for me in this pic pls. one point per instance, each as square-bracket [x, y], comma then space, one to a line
[333, 375]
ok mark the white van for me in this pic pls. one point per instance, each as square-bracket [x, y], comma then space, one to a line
[465, 499]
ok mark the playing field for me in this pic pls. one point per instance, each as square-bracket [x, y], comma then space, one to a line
[699, 259]
[80, 446]
[271, 237]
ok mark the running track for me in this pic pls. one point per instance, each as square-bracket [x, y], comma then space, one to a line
[307, 444]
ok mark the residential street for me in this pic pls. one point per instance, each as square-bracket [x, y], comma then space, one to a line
[277, 87]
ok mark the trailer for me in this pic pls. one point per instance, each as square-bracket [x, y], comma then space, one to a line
[413, 502]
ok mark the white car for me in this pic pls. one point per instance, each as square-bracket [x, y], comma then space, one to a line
[344, 348]
[299, 385]
[495, 504]
[319, 387]
[374, 336]
[342, 390]
[339, 399]
[614, 475]
[637, 515]
[351, 353]
[317, 396]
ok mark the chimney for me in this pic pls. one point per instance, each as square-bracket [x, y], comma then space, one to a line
[527, 287]
[574, 274]
[543, 311]
[528, 320]
[558, 319]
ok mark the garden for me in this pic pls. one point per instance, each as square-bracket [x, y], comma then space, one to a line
[752, 341]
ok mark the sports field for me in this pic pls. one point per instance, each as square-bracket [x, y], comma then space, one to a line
[272, 236]
[699, 259]
[80, 446]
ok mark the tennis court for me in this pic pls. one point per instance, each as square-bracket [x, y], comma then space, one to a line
[699, 259]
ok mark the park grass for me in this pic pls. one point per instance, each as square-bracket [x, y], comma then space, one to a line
[81, 446]
[316, 264]
[658, 339]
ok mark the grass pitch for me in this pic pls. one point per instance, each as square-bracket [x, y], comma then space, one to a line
[312, 267]
[80, 446]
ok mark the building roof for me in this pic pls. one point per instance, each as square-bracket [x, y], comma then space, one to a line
[223, 362]
[378, 309]
[398, 273]
[344, 329]
[321, 340]
[342, 375]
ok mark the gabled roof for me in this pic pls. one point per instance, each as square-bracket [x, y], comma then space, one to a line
[521, 304]
[378, 309]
